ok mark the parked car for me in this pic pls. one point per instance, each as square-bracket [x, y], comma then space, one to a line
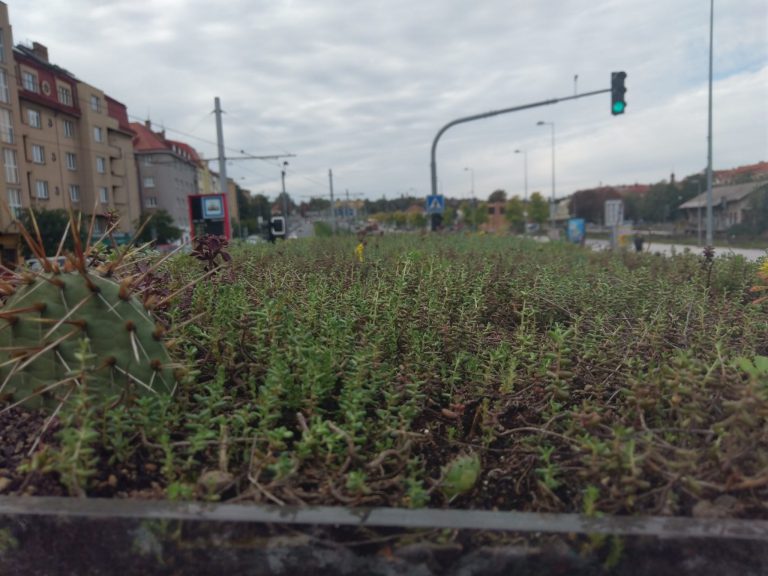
[34, 264]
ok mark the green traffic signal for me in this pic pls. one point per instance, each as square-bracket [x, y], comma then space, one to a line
[618, 104]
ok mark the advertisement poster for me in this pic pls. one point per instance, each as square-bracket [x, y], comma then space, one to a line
[213, 207]
[577, 230]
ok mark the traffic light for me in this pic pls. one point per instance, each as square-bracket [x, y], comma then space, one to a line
[618, 104]
[277, 226]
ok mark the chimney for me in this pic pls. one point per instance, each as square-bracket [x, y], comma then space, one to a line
[148, 124]
[40, 51]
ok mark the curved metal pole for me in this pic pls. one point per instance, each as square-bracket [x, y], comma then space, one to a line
[433, 163]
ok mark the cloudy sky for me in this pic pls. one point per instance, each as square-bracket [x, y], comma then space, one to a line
[363, 86]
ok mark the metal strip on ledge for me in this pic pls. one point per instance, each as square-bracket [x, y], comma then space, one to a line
[656, 526]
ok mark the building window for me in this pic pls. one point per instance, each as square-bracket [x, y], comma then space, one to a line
[65, 95]
[74, 192]
[71, 161]
[2, 45]
[103, 195]
[41, 189]
[38, 154]
[11, 166]
[29, 81]
[98, 135]
[5, 95]
[69, 129]
[149, 182]
[14, 201]
[101, 165]
[6, 126]
[147, 160]
[150, 202]
[33, 117]
[95, 103]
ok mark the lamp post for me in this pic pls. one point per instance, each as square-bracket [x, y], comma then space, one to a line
[285, 199]
[525, 184]
[472, 192]
[552, 203]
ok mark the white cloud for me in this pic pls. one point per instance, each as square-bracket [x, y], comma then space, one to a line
[362, 87]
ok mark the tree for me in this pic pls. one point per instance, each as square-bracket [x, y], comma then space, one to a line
[318, 204]
[660, 202]
[52, 224]
[399, 219]
[475, 213]
[538, 208]
[449, 216]
[515, 213]
[252, 207]
[759, 210]
[633, 207]
[417, 220]
[288, 202]
[498, 196]
[160, 228]
[590, 204]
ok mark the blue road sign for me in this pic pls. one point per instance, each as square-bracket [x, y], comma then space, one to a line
[436, 204]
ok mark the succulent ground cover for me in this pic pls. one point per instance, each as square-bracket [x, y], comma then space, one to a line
[470, 372]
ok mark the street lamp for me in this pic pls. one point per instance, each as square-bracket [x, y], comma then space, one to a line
[525, 181]
[472, 192]
[552, 204]
[285, 199]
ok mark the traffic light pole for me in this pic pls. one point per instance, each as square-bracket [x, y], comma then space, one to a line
[442, 130]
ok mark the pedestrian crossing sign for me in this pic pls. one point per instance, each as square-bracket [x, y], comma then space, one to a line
[435, 204]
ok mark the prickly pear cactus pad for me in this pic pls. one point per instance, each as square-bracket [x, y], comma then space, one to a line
[43, 327]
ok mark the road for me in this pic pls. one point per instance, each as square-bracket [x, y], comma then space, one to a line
[667, 249]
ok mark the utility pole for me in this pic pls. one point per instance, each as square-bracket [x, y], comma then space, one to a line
[285, 199]
[333, 208]
[710, 223]
[220, 142]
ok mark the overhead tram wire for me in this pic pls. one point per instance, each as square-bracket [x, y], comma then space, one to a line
[188, 135]
[268, 161]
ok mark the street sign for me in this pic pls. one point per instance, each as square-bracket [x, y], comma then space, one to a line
[435, 204]
[614, 212]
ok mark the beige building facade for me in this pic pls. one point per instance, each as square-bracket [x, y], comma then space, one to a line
[14, 192]
[76, 142]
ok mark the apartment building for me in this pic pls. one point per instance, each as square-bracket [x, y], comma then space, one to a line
[122, 162]
[13, 191]
[76, 141]
[170, 171]
[167, 172]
